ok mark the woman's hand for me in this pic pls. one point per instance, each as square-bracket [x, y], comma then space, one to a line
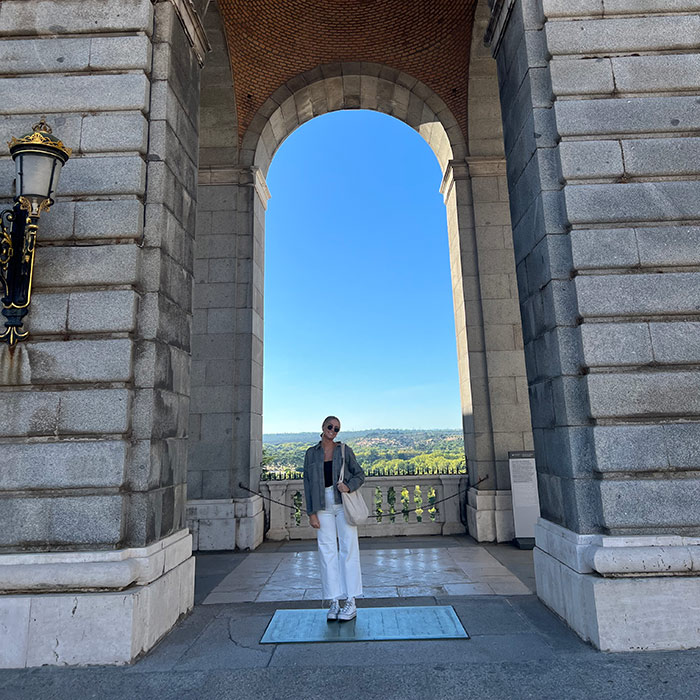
[314, 521]
[343, 488]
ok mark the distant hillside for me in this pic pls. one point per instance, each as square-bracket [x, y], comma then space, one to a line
[381, 452]
[392, 436]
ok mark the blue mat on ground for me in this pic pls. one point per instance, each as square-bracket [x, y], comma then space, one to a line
[371, 624]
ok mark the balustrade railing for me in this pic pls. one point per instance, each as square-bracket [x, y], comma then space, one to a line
[403, 505]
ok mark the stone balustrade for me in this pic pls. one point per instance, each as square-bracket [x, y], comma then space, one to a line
[399, 505]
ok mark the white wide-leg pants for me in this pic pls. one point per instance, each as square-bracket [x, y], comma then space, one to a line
[338, 552]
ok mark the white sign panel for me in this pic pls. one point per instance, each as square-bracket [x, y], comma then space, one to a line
[526, 501]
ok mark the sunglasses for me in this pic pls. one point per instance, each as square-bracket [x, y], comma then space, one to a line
[333, 428]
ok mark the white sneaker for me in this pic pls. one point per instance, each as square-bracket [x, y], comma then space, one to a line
[349, 610]
[333, 611]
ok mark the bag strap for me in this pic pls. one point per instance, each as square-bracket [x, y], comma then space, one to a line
[342, 468]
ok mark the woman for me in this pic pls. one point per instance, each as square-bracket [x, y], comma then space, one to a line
[341, 577]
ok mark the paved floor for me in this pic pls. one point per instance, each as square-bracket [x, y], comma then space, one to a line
[420, 566]
[518, 649]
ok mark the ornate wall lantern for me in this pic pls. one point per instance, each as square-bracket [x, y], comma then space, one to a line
[38, 157]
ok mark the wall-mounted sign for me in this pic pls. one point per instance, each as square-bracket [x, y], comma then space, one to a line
[526, 500]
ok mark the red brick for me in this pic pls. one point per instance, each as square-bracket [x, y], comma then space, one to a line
[272, 41]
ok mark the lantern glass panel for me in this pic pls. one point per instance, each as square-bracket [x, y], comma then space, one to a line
[37, 175]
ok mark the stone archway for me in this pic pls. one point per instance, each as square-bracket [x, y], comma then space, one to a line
[226, 426]
[600, 121]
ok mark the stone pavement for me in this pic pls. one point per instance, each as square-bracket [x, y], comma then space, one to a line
[421, 566]
[518, 649]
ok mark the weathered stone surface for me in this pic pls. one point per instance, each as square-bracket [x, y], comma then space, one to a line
[64, 464]
[638, 115]
[66, 267]
[130, 622]
[591, 159]
[617, 344]
[676, 343]
[630, 505]
[613, 613]
[48, 313]
[614, 295]
[105, 175]
[635, 7]
[75, 520]
[54, 55]
[102, 311]
[630, 448]
[643, 201]
[604, 248]
[121, 53]
[216, 483]
[74, 16]
[29, 413]
[636, 394]
[669, 245]
[79, 361]
[657, 157]
[212, 399]
[647, 448]
[637, 74]
[623, 35]
[563, 8]
[592, 76]
[114, 132]
[37, 56]
[75, 93]
[93, 411]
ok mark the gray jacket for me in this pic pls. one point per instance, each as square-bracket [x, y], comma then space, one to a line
[313, 475]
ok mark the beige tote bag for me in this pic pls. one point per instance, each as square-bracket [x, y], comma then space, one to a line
[356, 510]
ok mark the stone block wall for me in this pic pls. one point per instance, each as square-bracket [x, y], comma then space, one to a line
[228, 301]
[599, 107]
[498, 293]
[600, 123]
[227, 340]
[487, 321]
[92, 451]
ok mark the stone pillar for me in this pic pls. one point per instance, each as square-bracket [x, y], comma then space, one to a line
[95, 402]
[489, 336]
[225, 447]
[226, 412]
[491, 365]
[604, 191]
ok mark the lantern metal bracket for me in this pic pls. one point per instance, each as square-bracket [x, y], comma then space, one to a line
[39, 157]
[17, 246]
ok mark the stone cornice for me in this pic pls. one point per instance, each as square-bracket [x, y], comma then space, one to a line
[455, 170]
[500, 14]
[104, 570]
[194, 29]
[236, 175]
[624, 556]
[473, 166]
[486, 166]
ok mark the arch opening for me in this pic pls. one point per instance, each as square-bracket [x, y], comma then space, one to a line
[340, 86]
[228, 352]
[356, 239]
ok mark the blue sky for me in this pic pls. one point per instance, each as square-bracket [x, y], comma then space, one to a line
[358, 303]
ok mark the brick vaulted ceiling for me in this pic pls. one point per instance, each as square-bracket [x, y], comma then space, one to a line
[272, 41]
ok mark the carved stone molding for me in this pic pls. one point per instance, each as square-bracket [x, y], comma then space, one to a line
[194, 29]
[486, 166]
[236, 175]
[500, 14]
[455, 170]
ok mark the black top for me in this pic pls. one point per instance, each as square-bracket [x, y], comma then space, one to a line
[328, 473]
